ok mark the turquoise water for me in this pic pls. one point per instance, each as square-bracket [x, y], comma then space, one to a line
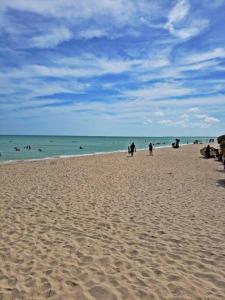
[57, 146]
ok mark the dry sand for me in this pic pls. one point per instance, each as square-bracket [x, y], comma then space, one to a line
[112, 227]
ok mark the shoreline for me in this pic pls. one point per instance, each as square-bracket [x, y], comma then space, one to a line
[30, 160]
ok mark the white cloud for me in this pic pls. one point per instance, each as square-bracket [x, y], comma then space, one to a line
[166, 122]
[193, 110]
[52, 39]
[159, 113]
[203, 56]
[78, 67]
[189, 119]
[211, 120]
[159, 90]
[191, 30]
[201, 116]
[92, 33]
[147, 122]
[197, 66]
[181, 24]
[120, 12]
[178, 12]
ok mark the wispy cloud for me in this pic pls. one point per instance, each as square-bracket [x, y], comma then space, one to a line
[204, 56]
[181, 24]
[52, 39]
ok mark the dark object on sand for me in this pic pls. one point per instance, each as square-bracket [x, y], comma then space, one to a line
[196, 142]
[176, 144]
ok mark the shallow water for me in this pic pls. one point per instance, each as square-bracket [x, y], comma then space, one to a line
[55, 146]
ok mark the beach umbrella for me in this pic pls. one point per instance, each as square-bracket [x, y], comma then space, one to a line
[221, 138]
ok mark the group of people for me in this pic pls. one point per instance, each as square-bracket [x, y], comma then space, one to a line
[132, 149]
[216, 153]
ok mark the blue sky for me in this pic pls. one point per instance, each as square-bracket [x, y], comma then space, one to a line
[112, 67]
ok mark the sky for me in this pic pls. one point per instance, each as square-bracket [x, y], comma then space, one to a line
[112, 67]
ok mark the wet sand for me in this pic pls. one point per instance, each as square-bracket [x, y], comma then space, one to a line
[114, 227]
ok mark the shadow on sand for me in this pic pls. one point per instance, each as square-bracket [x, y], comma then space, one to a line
[221, 182]
[221, 171]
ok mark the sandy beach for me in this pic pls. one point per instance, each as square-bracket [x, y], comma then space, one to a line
[112, 227]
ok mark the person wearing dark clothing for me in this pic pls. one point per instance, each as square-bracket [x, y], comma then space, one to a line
[150, 147]
[128, 149]
[207, 152]
[132, 149]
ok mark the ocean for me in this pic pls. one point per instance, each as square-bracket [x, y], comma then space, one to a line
[42, 147]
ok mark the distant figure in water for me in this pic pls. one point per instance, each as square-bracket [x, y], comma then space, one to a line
[81, 147]
[150, 148]
[40, 150]
[132, 149]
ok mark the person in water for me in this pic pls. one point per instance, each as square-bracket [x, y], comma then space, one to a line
[132, 149]
[150, 148]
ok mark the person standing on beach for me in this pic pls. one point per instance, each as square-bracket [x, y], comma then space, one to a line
[150, 147]
[132, 149]
[128, 149]
[207, 152]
